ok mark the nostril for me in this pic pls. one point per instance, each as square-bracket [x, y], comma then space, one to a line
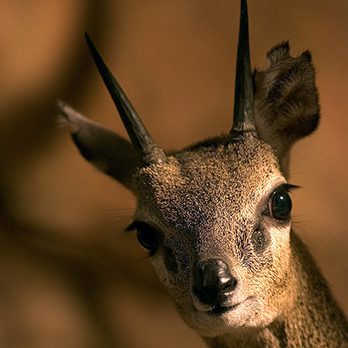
[228, 284]
[212, 281]
[202, 294]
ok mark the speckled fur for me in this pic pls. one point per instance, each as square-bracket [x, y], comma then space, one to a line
[207, 201]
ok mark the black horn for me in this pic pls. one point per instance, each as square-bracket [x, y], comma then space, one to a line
[138, 134]
[243, 118]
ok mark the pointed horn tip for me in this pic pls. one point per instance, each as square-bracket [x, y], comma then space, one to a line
[151, 153]
[243, 119]
[89, 40]
[104, 71]
[98, 60]
[91, 46]
[244, 9]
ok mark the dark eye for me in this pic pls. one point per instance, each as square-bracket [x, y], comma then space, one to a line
[280, 204]
[147, 236]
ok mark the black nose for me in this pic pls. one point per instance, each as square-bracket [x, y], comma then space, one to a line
[212, 282]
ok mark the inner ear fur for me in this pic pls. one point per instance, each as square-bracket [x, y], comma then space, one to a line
[106, 150]
[286, 100]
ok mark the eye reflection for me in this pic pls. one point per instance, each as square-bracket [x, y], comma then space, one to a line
[280, 204]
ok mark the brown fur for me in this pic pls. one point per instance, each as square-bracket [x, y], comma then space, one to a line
[313, 321]
[193, 200]
[208, 201]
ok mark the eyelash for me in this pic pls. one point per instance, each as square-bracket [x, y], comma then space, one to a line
[267, 209]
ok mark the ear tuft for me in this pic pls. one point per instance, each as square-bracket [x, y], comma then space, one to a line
[307, 55]
[279, 52]
[286, 99]
[68, 117]
[106, 150]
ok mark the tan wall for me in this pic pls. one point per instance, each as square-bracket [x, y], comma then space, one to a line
[68, 276]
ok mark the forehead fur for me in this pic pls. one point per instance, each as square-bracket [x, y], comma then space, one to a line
[204, 182]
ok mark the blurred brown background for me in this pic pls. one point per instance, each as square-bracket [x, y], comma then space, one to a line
[69, 277]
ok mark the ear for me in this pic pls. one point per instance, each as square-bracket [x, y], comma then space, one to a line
[286, 100]
[106, 150]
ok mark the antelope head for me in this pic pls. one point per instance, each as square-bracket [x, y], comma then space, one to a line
[216, 216]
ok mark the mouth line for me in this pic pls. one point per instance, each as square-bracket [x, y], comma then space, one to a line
[220, 310]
